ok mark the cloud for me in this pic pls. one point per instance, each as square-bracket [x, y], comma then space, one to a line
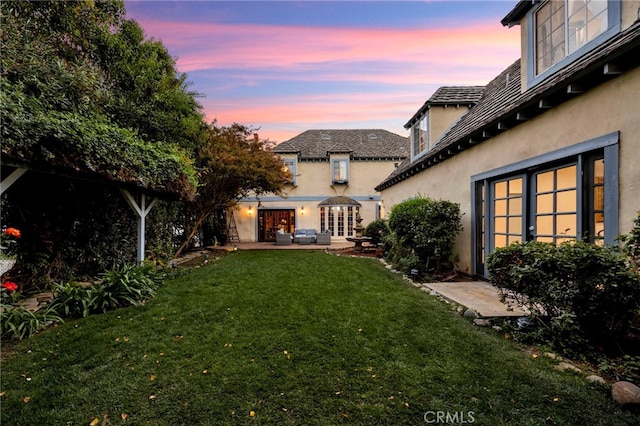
[286, 78]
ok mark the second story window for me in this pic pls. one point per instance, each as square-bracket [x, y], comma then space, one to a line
[289, 165]
[420, 136]
[340, 171]
[564, 26]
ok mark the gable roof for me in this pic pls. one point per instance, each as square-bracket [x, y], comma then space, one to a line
[449, 95]
[360, 144]
[504, 105]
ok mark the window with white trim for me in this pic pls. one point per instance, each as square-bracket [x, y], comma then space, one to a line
[420, 136]
[289, 165]
[340, 171]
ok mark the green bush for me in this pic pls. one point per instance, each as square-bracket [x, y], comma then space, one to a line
[120, 287]
[428, 228]
[377, 230]
[584, 295]
[21, 323]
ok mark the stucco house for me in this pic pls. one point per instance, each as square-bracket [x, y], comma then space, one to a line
[549, 150]
[334, 175]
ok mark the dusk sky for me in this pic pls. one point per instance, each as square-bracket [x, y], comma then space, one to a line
[289, 66]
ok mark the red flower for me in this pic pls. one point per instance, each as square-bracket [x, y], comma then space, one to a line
[10, 285]
[12, 232]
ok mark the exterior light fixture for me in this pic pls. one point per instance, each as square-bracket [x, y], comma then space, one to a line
[250, 211]
[302, 210]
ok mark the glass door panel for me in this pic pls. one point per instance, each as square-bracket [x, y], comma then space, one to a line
[507, 212]
[556, 205]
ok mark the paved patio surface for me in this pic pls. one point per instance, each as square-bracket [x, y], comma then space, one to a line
[272, 246]
[480, 296]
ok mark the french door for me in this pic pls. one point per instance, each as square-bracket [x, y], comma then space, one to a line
[271, 221]
[554, 203]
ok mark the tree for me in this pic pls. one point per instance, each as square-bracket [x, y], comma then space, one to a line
[82, 93]
[233, 163]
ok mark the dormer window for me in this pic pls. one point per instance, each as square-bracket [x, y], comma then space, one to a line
[563, 30]
[563, 26]
[420, 136]
[289, 165]
[340, 171]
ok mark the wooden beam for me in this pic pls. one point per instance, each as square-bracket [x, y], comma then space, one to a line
[574, 89]
[612, 69]
[544, 104]
[502, 126]
[521, 116]
[486, 134]
[11, 179]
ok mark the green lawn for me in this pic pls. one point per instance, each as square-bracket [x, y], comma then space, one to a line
[289, 337]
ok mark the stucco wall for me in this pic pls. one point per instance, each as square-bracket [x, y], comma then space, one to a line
[613, 106]
[313, 187]
[441, 118]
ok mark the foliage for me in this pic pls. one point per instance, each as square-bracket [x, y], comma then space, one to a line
[428, 228]
[631, 243]
[120, 287]
[377, 230]
[83, 94]
[269, 331]
[233, 163]
[21, 323]
[584, 295]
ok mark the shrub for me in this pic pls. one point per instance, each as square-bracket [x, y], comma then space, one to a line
[21, 323]
[377, 230]
[429, 228]
[631, 243]
[71, 300]
[120, 287]
[585, 295]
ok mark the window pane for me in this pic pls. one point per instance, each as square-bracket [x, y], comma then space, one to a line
[566, 177]
[544, 203]
[515, 187]
[515, 206]
[544, 225]
[566, 224]
[501, 225]
[515, 225]
[544, 182]
[514, 239]
[566, 201]
[501, 189]
[500, 241]
[500, 207]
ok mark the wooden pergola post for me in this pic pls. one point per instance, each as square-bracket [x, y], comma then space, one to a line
[11, 179]
[141, 210]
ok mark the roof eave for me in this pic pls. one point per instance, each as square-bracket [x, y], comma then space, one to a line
[517, 13]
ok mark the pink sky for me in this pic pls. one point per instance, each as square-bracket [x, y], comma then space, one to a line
[287, 78]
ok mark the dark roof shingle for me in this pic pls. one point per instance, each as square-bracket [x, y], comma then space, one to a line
[359, 143]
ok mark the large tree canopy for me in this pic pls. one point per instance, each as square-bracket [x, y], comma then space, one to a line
[68, 103]
[233, 163]
[83, 94]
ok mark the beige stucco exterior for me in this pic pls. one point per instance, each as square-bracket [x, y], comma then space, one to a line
[613, 106]
[441, 118]
[313, 185]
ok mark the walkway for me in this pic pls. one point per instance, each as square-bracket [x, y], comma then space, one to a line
[480, 296]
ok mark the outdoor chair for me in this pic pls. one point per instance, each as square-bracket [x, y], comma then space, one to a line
[283, 239]
[323, 238]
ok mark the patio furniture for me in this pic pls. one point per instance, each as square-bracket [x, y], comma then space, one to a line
[324, 238]
[283, 239]
[301, 234]
[305, 240]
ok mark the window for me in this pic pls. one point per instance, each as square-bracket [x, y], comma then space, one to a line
[340, 171]
[566, 195]
[561, 30]
[289, 165]
[338, 220]
[420, 136]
